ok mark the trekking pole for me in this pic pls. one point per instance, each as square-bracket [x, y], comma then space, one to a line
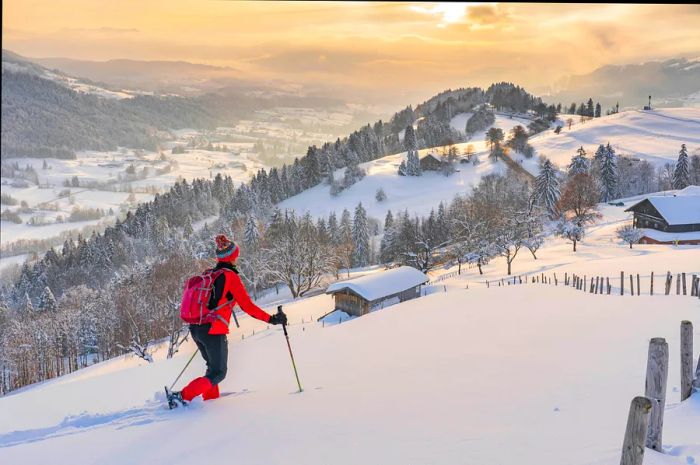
[183, 370]
[284, 328]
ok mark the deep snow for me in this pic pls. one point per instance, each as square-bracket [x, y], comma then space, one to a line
[528, 374]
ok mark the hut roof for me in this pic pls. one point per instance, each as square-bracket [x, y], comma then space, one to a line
[378, 285]
[676, 209]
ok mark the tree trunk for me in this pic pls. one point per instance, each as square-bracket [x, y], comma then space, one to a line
[574, 245]
[478, 265]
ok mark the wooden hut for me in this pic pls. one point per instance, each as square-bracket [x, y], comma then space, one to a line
[431, 162]
[361, 295]
[669, 219]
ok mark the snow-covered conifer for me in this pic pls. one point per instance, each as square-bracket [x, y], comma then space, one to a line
[380, 195]
[546, 191]
[47, 301]
[608, 175]
[251, 234]
[409, 139]
[681, 174]
[579, 163]
[360, 237]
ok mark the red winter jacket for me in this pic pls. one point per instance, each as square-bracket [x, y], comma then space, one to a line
[228, 287]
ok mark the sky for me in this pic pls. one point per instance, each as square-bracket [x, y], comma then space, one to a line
[415, 48]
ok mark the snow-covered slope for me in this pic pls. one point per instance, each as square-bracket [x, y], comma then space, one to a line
[417, 194]
[655, 136]
[528, 374]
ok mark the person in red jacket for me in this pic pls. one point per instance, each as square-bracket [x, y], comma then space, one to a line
[211, 337]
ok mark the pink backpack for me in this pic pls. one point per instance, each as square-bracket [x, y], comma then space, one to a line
[195, 297]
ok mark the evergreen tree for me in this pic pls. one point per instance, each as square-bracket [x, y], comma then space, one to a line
[608, 175]
[579, 163]
[360, 237]
[597, 110]
[386, 247]
[409, 139]
[599, 155]
[251, 234]
[681, 174]
[546, 191]
[403, 169]
[589, 108]
[47, 301]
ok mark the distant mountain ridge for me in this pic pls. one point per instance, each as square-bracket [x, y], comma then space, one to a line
[670, 83]
[156, 76]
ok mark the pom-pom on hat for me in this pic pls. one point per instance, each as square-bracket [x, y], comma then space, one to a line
[226, 250]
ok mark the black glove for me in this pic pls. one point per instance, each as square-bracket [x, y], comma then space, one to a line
[278, 318]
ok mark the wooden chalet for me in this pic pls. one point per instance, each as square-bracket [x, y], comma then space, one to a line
[669, 219]
[431, 162]
[361, 295]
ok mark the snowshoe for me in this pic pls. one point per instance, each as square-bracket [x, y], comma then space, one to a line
[175, 399]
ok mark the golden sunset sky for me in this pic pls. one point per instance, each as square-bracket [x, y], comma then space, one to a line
[427, 46]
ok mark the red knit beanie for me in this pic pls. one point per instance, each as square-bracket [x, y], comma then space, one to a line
[226, 250]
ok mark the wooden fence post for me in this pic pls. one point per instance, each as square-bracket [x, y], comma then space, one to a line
[651, 286]
[655, 390]
[678, 284]
[639, 286]
[607, 282]
[637, 424]
[591, 291]
[686, 359]
[622, 283]
[631, 285]
[669, 279]
[684, 283]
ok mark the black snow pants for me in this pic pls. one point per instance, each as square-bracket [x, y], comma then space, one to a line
[214, 349]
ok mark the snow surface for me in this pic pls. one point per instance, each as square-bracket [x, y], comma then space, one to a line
[655, 136]
[377, 285]
[529, 374]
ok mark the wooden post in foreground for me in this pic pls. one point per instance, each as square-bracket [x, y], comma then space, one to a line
[655, 390]
[635, 433]
[651, 286]
[639, 286]
[684, 284]
[632, 285]
[686, 359]
[622, 283]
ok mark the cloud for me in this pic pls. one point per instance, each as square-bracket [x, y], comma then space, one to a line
[101, 30]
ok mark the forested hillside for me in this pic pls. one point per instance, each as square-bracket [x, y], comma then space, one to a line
[41, 118]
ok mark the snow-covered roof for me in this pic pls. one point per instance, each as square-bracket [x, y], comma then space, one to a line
[662, 236]
[374, 286]
[677, 209]
[690, 190]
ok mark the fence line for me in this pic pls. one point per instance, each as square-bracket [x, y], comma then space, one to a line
[598, 284]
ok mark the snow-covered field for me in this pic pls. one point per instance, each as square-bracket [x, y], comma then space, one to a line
[528, 374]
[105, 184]
[655, 136]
